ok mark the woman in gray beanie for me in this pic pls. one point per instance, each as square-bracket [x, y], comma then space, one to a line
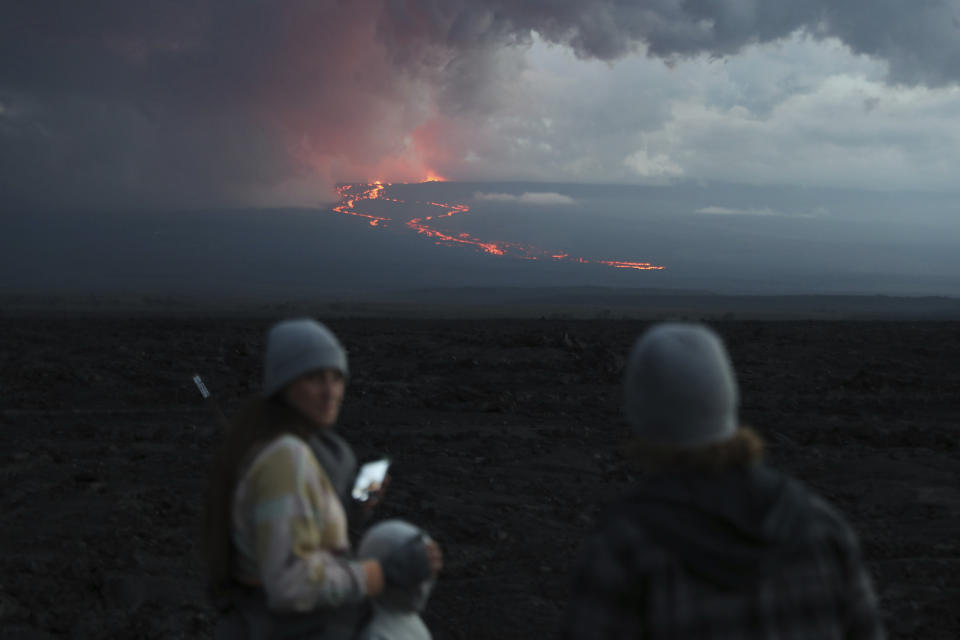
[275, 537]
[712, 543]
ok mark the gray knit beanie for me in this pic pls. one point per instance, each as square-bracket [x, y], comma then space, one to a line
[680, 387]
[377, 544]
[296, 347]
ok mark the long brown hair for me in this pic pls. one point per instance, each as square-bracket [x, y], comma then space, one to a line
[258, 421]
[743, 448]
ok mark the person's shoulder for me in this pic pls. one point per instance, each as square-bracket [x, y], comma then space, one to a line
[821, 511]
[285, 448]
[390, 627]
[281, 463]
[826, 523]
[619, 541]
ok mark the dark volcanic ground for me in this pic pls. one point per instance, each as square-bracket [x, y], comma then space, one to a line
[505, 436]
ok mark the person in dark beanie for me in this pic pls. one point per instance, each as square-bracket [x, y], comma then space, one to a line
[712, 543]
[396, 611]
[276, 531]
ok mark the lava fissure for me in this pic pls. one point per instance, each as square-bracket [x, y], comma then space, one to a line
[352, 195]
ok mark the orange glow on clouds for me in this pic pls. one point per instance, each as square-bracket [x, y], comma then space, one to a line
[352, 197]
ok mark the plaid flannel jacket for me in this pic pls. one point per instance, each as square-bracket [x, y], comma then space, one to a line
[625, 586]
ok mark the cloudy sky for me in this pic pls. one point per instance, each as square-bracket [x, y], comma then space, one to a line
[117, 104]
[797, 111]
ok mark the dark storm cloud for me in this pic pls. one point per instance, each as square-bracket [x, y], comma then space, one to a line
[919, 39]
[112, 102]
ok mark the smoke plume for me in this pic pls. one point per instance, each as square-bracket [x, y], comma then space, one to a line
[112, 103]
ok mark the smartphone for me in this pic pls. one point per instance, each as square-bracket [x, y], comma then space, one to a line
[370, 478]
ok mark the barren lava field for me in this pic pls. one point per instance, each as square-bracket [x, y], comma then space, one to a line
[505, 435]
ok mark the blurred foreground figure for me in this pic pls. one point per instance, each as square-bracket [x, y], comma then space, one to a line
[276, 543]
[712, 543]
[396, 611]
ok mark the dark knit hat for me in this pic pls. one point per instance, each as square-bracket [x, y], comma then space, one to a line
[680, 387]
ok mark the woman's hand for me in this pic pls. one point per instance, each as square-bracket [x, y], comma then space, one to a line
[408, 565]
[434, 557]
[376, 491]
[413, 562]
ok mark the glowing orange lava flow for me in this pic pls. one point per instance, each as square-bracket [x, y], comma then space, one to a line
[420, 226]
[349, 200]
[350, 195]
